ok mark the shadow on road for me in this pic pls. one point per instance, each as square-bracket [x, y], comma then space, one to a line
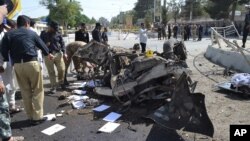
[162, 134]
[20, 124]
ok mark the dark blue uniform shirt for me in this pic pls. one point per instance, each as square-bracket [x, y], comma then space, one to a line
[54, 41]
[22, 44]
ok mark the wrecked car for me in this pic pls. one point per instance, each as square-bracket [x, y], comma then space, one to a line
[133, 78]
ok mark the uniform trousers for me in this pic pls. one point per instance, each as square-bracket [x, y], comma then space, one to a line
[30, 81]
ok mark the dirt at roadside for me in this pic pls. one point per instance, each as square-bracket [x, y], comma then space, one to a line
[223, 107]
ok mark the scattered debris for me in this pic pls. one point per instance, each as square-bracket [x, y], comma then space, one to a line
[78, 105]
[112, 117]
[185, 111]
[79, 92]
[240, 83]
[139, 78]
[101, 108]
[84, 111]
[53, 129]
[78, 98]
[59, 115]
[92, 102]
[109, 127]
[50, 117]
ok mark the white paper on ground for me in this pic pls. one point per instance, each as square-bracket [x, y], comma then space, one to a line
[79, 92]
[93, 83]
[109, 127]
[112, 117]
[78, 104]
[50, 116]
[77, 97]
[79, 85]
[101, 108]
[53, 129]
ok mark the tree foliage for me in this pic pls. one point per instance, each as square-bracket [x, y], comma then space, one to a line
[92, 20]
[192, 8]
[103, 21]
[219, 9]
[142, 7]
[164, 13]
[148, 19]
[81, 18]
[175, 8]
[63, 11]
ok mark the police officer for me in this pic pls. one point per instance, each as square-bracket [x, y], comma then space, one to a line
[96, 33]
[82, 34]
[246, 27]
[81, 38]
[71, 48]
[22, 45]
[169, 31]
[105, 36]
[5, 129]
[200, 32]
[54, 41]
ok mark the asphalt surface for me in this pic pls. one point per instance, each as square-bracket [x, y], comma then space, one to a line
[83, 125]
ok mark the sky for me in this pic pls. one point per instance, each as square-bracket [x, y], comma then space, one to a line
[91, 8]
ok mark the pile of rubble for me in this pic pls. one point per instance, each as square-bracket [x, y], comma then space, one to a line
[134, 78]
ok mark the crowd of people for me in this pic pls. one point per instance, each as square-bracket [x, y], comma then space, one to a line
[184, 30]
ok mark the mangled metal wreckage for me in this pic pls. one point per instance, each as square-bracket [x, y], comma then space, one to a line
[163, 76]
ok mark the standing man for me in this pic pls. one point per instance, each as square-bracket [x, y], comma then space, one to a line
[54, 41]
[200, 32]
[5, 129]
[169, 31]
[105, 36]
[194, 30]
[175, 30]
[246, 27]
[159, 31]
[21, 43]
[96, 33]
[143, 37]
[39, 52]
[82, 34]
[8, 75]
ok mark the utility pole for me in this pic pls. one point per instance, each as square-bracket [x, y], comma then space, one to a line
[154, 10]
[191, 10]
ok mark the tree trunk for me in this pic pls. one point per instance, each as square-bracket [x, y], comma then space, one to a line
[234, 9]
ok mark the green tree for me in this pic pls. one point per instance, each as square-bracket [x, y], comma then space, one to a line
[103, 21]
[175, 7]
[219, 9]
[81, 18]
[63, 11]
[141, 8]
[148, 19]
[192, 9]
[164, 13]
[92, 21]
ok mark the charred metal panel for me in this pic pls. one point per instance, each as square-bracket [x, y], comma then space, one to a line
[186, 111]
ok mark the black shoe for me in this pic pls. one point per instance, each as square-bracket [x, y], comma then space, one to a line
[66, 83]
[243, 46]
[40, 121]
[63, 86]
[52, 91]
